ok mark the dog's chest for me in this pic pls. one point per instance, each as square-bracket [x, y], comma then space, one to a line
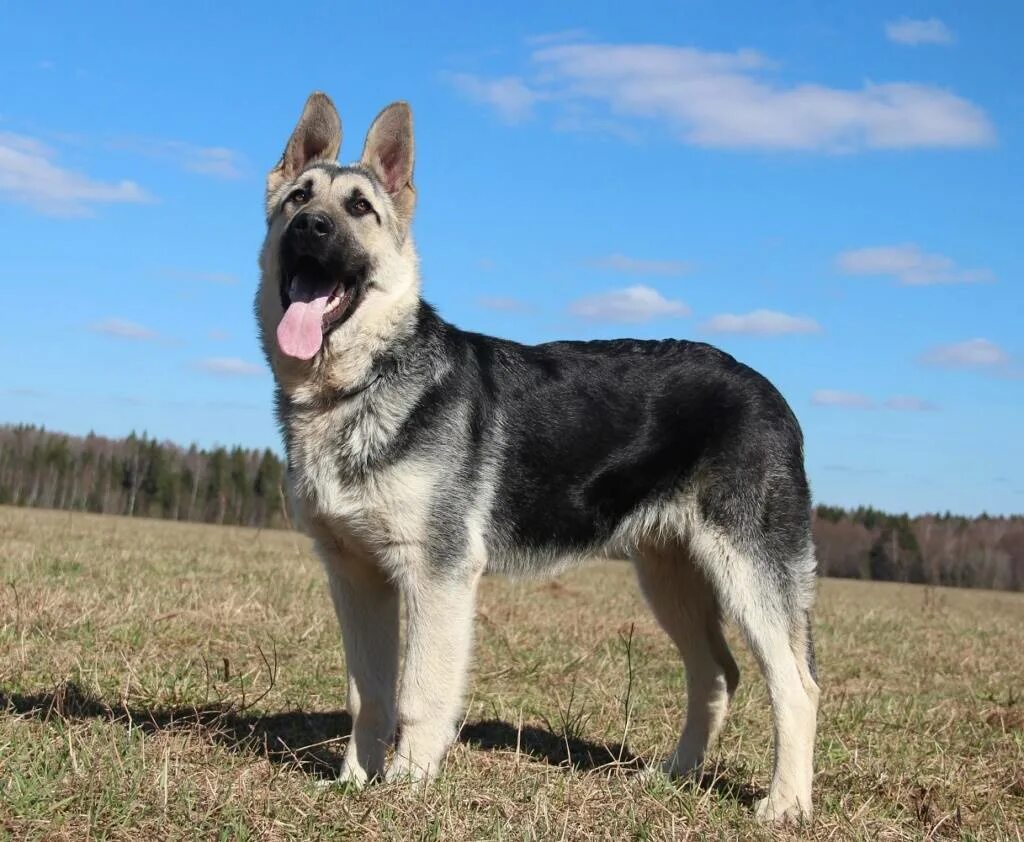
[376, 508]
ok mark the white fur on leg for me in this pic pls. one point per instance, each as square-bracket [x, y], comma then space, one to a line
[707, 705]
[439, 638]
[685, 606]
[367, 607]
[795, 713]
[770, 628]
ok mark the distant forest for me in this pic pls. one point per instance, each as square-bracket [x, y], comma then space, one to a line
[142, 477]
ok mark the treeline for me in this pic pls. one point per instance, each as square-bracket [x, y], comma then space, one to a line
[981, 552]
[140, 476]
[147, 478]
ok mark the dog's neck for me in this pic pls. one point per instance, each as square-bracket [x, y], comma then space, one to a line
[345, 369]
[364, 419]
[353, 353]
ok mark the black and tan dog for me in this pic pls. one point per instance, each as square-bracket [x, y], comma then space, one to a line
[422, 456]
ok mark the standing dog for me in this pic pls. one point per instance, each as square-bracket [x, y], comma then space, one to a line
[421, 456]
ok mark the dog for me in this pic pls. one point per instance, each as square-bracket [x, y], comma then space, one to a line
[421, 456]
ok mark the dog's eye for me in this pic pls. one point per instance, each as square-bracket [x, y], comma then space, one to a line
[359, 207]
[299, 197]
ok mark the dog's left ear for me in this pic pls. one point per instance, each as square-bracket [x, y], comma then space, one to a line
[317, 137]
[389, 153]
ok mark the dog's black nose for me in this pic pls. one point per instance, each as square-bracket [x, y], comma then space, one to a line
[313, 226]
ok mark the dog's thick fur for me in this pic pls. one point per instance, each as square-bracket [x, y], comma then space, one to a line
[421, 456]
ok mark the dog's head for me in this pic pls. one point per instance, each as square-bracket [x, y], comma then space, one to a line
[338, 263]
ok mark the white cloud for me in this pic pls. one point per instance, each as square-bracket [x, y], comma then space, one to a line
[909, 265]
[851, 469]
[504, 304]
[230, 367]
[580, 121]
[640, 266]
[633, 304]
[122, 329]
[30, 176]
[913, 32]
[856, 400]
[761, 323]
[576, 34]
[214, 161]
[973, 353]
[846, 400]
[508, 95]
[729, 100]
[909, 403]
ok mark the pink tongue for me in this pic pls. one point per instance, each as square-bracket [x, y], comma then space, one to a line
[300, 333]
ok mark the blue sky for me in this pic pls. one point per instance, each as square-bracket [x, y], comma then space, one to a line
[831, 192]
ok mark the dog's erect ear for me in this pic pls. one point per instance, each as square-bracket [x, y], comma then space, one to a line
[317, 137]
[389, 153]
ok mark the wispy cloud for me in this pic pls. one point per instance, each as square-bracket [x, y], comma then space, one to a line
[851, 469]
[857, 400]
[127, 400]
[576, 34]
[121, 329]
[30, 175]
[909, 403]
[503, 304]
[761, 323]
[218, 335]
[230, 367]
[214, 161]
[726, 100]
[846, 400]
[624, 265]
[909, 265]
[632, 305]
[970, 354]
[913, 32]
[202, 277]
[508, 95]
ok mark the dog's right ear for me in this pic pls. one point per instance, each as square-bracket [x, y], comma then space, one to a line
[317, 137]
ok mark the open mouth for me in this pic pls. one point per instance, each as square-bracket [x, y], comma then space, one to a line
[315, 300]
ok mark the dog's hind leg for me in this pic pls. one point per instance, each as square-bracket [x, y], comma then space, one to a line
[367, 607]
[685, 605]
[770, 602]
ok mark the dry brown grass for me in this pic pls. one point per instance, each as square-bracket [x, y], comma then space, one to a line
[160, 680]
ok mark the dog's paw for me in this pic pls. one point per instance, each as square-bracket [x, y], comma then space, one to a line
[674, 768]
[338, 785]
[402, 770]
[352, 776]
[683, 765]
[781, 810]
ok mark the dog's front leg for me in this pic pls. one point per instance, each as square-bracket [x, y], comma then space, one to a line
[438, 642]
[368, 609]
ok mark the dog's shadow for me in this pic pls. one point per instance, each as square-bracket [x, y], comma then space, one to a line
[314, 743]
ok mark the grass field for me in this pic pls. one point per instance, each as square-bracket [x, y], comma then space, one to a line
[162, 680]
